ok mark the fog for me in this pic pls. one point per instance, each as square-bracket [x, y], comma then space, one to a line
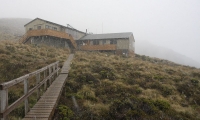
[173, 24]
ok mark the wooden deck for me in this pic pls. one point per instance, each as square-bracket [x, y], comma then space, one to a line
[45, 107]
[99, 47]
[47, 32]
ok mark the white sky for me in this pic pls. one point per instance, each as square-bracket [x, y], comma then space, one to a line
[174, 24]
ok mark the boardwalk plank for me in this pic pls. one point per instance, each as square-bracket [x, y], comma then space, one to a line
[44, 108]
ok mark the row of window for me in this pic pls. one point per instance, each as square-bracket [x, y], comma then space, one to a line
[49, 27]
[38, 28]
[97, 42]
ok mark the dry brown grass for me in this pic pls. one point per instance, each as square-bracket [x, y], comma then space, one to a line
[112, 77]
[19, 59]
[96, 107]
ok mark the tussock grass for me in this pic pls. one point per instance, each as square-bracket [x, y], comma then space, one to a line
[137, 88]
[19, 59]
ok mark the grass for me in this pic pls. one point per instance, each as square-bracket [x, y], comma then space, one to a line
[107, 86]
[137, 88]
[19, 59]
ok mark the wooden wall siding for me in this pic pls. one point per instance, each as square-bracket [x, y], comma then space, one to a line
[76, 34]
[33, 25]
[122, 43]
[47, 32]
[131, 43]
[131, 53]
[98, 47]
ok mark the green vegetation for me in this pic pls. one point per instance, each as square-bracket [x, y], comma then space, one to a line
[64, 112]
[19, 59]
[107, 86]
[113, 87]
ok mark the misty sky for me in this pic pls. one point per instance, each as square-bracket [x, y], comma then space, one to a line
[173, 24]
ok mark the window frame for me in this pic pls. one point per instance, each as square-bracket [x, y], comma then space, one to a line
[113, 41]
[47, 27]
[95, 42]
[103, 42]
[54, 28]
[39, 27]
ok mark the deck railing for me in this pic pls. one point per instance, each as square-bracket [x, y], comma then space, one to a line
[51, 69]
[47, 32]
[98, 47]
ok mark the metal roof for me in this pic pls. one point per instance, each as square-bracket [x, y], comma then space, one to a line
[107, 36]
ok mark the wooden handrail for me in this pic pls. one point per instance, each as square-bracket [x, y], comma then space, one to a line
[5, 109]
[22, 38]
[48, 32]
[98, 47]
[8, 84]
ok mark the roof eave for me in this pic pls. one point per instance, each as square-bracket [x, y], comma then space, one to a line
[31, 21]
[52, 23]
[105, 38]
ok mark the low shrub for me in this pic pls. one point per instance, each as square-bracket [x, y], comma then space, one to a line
[162, 105]
[65, 113]
[166, 91]
[194, 81]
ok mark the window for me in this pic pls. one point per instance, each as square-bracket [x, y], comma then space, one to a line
[48, 27]
[84, 42]
[113, 41]
[54, 28]
[95, 42]
[38, 27]
[104, 42]
[30, 28]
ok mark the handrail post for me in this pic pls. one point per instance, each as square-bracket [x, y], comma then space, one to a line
[45, 83]
[57, 68]
[54, 69]
[50, 77]
[4, 101]
[26, 87]
[37, 81]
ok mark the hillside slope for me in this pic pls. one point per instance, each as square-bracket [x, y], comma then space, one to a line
[148, 49]
[17, 60]
[20, 59]
[12, 28]
[112, 87]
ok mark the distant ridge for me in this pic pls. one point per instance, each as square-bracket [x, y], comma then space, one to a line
[148, 49]
[12, 28]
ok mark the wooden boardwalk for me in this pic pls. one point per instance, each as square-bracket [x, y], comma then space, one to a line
[45, 107]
